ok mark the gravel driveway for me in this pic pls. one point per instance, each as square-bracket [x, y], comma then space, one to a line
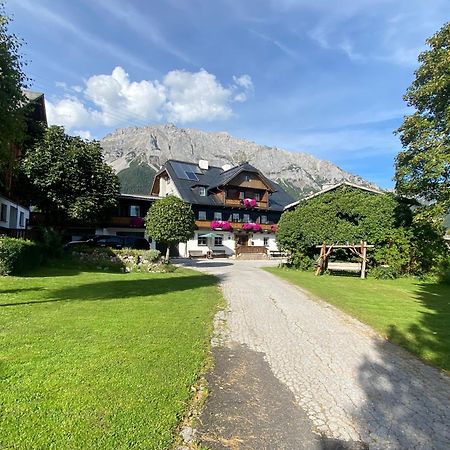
[352, 387]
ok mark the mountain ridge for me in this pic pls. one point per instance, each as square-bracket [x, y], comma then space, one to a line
[141, 151]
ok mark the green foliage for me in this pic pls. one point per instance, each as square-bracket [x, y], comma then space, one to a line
[69, 178]
[51, 241]
[136, 179]
[423, 167]
[349, 215]
[151, 255]
[384, 273]
[170, 220]
[12, 81]
[17, 256]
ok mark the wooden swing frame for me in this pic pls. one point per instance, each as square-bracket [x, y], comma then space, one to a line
[358, 250]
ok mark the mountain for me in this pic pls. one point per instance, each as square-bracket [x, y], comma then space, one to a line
[137, 153]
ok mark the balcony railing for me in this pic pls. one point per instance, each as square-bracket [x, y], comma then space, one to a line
[238, 202]
[236, 226]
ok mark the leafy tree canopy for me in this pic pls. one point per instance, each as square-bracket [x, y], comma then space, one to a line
[170, 220]
[350, 215]
[12, 82]
[423, 167]
[69, 177]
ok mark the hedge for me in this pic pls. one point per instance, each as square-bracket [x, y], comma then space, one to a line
[18, 256]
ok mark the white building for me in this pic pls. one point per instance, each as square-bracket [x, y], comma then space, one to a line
[236, 208]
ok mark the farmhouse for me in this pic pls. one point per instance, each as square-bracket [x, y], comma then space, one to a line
[236, 208]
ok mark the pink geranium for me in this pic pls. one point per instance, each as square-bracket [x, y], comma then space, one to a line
[251, 227]
[249, 202]
[222, 224]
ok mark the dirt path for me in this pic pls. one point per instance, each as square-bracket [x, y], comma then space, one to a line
[334, 376]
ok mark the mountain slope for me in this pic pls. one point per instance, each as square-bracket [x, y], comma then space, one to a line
[138, 152]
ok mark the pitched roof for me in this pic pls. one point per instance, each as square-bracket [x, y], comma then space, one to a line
[332, 188]
[187, 177]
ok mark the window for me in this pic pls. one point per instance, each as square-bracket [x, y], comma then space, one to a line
[266, 241]
[21, 219]
[3, 212]
[263, 219]
[202, 241]
[248, 177]
[218, 241]
[202, 215]
[257, 196]
[241, 195]
[202, 191]
[217, 215]
[236, 217]
[246, 218]
[135, 211]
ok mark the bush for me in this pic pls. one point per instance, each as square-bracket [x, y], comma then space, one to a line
[51, 241]
[18, 255]
[384, 273]
[444, 271]
[100, 258]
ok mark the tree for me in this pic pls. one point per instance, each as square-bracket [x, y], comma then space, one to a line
[423, 167]
[350, 215]
[170, 221]
[12, 83]
[69, 178]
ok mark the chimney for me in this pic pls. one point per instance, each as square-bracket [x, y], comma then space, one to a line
[203, 164]
[226, 167]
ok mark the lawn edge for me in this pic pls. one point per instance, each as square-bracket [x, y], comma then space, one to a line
[360, 323]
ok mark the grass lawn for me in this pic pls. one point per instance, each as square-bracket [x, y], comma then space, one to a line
[100, 360]
[411, 313]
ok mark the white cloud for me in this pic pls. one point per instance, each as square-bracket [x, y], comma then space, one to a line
[69, 111]
[181, 96]
[85, 134]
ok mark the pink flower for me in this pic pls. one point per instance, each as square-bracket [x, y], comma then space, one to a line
[249, 202]
[222, 224]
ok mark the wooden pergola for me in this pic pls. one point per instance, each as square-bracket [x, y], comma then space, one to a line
[357, 250]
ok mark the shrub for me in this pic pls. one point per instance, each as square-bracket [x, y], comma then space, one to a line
[18, 255]
[51, 241]
[384, 273]
[100, 258]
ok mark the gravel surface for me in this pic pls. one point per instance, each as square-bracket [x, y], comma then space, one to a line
[352, 385]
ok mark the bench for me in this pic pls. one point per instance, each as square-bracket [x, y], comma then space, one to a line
[218, 253]
[344, 266]
[276, 254]
[196, 254]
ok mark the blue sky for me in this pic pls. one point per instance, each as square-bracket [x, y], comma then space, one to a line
[323, 77]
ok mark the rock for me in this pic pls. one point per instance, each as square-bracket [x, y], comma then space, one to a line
[188, 434]
[153, 145]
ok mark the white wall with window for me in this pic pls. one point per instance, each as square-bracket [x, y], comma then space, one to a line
[13, 215]
[265, 239]
[224, 240]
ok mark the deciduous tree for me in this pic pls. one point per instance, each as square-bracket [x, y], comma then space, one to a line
[170, 221]
[423, 167]
[69, 178]
[12, 83]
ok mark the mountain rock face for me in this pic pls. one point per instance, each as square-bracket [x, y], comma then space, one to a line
[136, 152]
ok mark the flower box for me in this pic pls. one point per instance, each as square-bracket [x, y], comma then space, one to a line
[223, 225]
[249, 202]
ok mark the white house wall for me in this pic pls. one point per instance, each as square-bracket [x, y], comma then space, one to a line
[8, 223]
[228, 241]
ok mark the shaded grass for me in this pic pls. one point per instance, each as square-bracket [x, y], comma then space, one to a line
[100, 360]
[411, 313]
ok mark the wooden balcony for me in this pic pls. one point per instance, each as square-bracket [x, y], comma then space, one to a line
[132, 222]
[236, 226]
[236, 203]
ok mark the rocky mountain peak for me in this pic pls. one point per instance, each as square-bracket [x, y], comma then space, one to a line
[300, 173]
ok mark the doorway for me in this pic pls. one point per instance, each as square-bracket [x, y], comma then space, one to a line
[242, 239]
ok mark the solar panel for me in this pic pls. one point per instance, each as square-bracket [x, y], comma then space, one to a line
[186, 171]
[191, 176]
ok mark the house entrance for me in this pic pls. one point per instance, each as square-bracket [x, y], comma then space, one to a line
[241, 239]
